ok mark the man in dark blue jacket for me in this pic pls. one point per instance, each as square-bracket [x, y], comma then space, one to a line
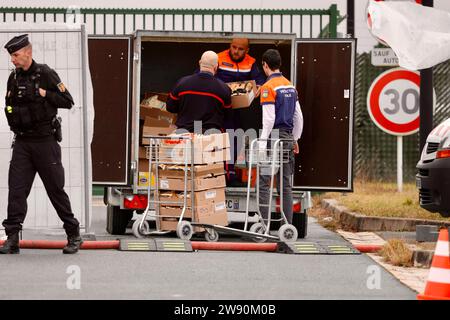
[200, 97]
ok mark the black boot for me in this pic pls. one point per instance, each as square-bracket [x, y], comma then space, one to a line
[74, 243]
[11, 245]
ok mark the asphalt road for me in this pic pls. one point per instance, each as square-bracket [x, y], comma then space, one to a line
[202, 275]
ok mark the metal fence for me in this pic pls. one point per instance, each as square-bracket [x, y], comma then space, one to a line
[305, 23]
[376, 151]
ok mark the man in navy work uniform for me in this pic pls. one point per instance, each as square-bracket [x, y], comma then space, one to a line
[282, 113]
[200, 97]
[34, 92]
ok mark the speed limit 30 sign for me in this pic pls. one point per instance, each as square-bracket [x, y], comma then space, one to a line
[393, 101]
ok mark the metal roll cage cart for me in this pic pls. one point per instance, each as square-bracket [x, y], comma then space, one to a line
[263, 158]
[159, 154]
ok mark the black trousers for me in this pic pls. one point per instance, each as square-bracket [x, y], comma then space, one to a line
[43, 157]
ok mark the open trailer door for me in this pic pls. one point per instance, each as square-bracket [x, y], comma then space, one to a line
[324, 78]
[110, 67]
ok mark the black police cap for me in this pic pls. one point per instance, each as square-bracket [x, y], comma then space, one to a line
[17, 43]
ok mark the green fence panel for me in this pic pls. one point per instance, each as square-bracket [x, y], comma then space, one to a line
[305, 23]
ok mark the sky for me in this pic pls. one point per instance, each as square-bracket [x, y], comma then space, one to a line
[365, 40]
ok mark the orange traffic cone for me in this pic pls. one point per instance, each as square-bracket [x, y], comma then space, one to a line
[438, 283]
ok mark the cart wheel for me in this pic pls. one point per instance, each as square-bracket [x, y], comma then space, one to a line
[288, 233]
[258, 228]
[184, 230]
[211, 235]
[140, 232]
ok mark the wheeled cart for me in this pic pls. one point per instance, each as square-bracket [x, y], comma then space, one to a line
[268, 157]
[172, 201]
[157, 157]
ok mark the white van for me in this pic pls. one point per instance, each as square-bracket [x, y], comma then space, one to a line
[433, 177]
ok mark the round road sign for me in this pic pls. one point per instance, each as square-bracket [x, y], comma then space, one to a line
[393, 101]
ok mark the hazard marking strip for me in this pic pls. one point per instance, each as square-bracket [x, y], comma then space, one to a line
[137, 245]
[315, 248]
[174, 246]
[300, 248]
[306, 248]
[139, 249]
[340, 249]
[155, 245]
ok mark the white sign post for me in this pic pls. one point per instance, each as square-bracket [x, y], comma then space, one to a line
[393, 104]
[399, 163]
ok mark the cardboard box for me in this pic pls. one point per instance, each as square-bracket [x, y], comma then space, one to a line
[200, 184]
[212, 213]
[200, 197]
[199, 212]
[155, 100]
[155, 127]
[167, 224]
[142, 152]
[177, 156]
[143, 165]
[201, 142]
[175, 212]
[143, 179]
[162, 126]
[216, 195]
[207, 149]
[200, 171]
[242, 100]
[161, 96]
[157, 114]
[217, 214]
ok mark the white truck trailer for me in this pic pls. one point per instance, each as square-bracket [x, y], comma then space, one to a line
[123, 68]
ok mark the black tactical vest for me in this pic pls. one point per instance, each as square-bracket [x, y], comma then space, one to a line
[26, 111]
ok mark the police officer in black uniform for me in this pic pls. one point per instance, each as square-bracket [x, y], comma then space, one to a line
[34, 92]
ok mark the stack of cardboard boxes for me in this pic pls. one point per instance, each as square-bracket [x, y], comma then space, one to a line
[205, 155]
[155, 121]
[208, 185]
[154, 118]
